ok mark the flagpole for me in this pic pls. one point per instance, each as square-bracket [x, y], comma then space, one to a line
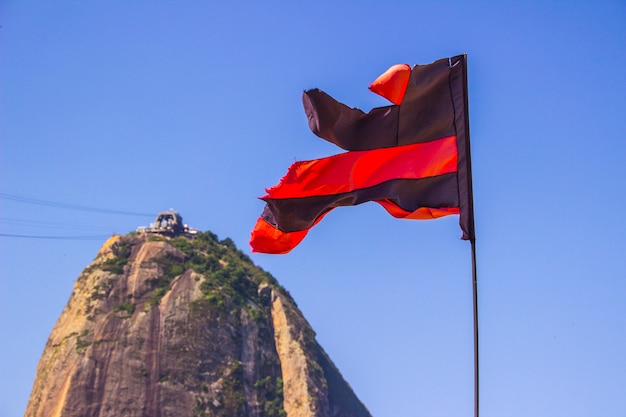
[471, 235]
[475, 305]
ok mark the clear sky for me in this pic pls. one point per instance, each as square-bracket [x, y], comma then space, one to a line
[144, 106]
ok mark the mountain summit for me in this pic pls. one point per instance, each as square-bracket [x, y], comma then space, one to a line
[174, 326]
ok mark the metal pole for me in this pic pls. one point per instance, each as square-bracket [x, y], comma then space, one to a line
[475, 299]
[471, 232]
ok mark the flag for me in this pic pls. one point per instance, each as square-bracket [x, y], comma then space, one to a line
[411, 157]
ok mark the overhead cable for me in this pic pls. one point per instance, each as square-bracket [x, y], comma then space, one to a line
[40, 202]
[55, 237]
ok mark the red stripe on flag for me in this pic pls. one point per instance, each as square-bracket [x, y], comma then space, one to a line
[362, 169]
[265, 238]
[422, 213]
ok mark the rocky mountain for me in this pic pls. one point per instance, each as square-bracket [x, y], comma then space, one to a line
[173, 327]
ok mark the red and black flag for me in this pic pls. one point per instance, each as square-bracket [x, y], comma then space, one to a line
[412, 157]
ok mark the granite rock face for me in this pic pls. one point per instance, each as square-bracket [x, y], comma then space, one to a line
[177, 327]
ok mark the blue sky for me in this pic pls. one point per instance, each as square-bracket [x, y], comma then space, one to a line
[148, 105]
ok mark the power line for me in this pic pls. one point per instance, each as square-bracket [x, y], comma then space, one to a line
[55, 237]
[53, 225]
[40, 202]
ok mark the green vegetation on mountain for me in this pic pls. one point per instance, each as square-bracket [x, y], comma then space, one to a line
[228, 272]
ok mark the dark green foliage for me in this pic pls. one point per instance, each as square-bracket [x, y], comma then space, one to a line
[269, 388]
[81, 344]
[122, 251]
[182, 244]
[171, 267]
[127, 307]
[230, 400]
[230, 277]
[233, 398]
[229, 273]
[228, 242]
[270, 394]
